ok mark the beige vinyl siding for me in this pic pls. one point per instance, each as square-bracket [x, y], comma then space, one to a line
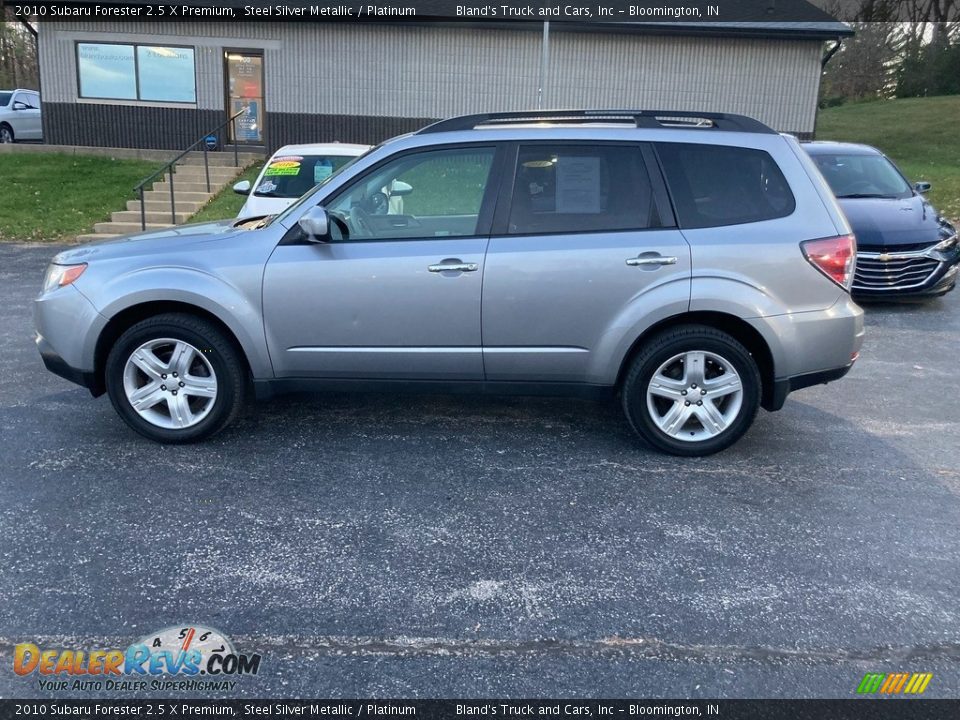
[421, 72]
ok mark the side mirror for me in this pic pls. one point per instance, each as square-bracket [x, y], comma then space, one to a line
[242, 187]
[19, 106]
[316, 224]
[922, 187]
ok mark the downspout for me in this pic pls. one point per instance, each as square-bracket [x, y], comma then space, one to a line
[32, 30]
[823, 64]
[830, 53]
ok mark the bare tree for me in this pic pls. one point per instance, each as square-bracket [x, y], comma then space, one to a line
[18, 54]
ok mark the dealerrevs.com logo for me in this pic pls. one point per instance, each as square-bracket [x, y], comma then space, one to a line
[176, 658]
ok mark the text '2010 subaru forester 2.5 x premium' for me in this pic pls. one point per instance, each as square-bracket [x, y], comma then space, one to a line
[695, 265]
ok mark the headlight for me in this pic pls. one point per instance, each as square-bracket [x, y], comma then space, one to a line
[947, 244]
[61, 275]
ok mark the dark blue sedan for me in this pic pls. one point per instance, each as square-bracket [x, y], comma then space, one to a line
[905, 248]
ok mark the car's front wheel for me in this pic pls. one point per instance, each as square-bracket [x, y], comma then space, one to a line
[693, 390]
[6, 134]
[175, 378]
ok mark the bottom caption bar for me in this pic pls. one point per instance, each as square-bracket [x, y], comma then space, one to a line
[333, 709]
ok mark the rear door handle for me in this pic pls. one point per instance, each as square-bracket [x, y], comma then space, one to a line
[455, 266]
[641, 261]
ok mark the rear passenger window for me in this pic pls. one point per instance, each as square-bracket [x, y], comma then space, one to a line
[588, 188]
[715, 185]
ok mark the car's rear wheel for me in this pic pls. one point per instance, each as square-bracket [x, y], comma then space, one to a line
[175, 378]
[6, 134]
[693, 390]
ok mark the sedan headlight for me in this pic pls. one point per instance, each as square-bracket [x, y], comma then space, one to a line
[62, 275]
[947, 244]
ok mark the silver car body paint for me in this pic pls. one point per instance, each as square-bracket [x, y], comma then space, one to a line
[564, 308]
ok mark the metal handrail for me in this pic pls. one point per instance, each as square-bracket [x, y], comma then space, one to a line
[206, 167]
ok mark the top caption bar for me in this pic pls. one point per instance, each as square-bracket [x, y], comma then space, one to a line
[632, 15]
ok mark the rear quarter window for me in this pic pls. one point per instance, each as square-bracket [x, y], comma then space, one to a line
[715, 185]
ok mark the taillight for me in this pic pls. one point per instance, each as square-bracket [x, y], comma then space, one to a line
[833, 256]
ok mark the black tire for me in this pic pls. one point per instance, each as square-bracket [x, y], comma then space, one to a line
[8, 129]
[659, 350]
[218, 350]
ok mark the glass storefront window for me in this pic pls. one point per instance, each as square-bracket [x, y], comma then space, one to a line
[107, 71]
[136, 72]
[166, 73]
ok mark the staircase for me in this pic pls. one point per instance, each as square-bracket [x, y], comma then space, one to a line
[189, 194]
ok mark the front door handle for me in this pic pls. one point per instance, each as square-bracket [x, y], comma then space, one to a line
[454, 265]
[646, 261]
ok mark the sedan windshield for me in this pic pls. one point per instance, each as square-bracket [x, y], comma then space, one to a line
[290, 176]
[863, 176]
[4, 98]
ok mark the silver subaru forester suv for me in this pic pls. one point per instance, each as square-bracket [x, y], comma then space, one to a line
[695, 265]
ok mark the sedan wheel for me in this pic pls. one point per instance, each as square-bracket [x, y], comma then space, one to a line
[6, 135]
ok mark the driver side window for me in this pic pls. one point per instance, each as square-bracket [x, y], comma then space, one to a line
[421, 195]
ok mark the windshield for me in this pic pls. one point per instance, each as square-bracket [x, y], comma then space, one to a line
[290, 176]
[862, 176]
[4, 98]
[307, 196]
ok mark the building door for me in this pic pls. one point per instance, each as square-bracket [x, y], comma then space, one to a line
[244, 73]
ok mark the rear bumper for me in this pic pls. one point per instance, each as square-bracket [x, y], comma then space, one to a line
[810, 348]
[781, 388]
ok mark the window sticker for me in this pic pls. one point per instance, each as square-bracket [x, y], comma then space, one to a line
[322, 170]
[267, 187]
[578, 184]
[283, 167]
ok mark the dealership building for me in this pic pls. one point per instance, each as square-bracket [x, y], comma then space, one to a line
[164, 84]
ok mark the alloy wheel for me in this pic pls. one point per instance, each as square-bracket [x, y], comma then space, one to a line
[170, 384]
[694, 396]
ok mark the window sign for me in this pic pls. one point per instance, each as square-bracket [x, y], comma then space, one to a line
[247, 125]
[107, 71]
[136, 72]
[166, 74]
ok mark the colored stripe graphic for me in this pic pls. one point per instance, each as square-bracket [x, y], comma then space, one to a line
[870, 683]
[894, 683]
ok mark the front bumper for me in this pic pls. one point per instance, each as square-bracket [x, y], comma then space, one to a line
[67, 328]
[58, 366]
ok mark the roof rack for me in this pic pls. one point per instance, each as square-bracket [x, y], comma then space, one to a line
[639, 118]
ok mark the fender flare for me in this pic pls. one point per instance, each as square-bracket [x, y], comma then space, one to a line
[240, 314]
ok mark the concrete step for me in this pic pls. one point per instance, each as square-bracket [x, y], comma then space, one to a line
[221, 158]
[179, 194]
[186, 186]
[199, 171]
[126, 228]
[96, 237]
[153, 216]
[164, 205]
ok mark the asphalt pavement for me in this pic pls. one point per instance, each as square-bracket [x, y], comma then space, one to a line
[403, 547]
